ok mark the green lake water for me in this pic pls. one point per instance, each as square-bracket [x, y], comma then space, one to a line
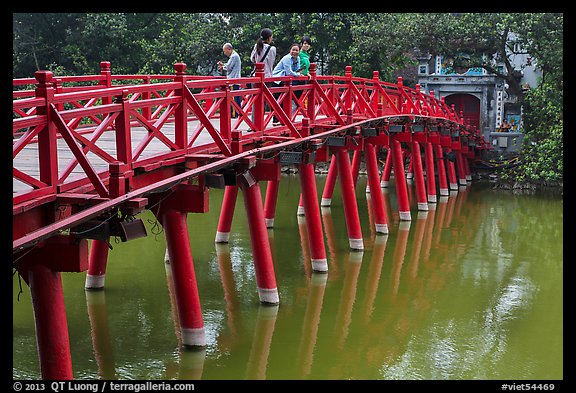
[470, 290]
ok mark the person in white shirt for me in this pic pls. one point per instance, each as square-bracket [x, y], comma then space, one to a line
[264, 52]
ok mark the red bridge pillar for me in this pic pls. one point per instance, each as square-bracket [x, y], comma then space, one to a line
[265, 278]
[309, 197]
[270, 202]
[226, 214]
[442, 182]
[380, 222]
[172, 213]
[430, 172]
[330, 182]
[400, 177]
[349, 199]
[387, 169]
[419, 176]
[51, 324]
[41, 267]
[97, 265]
[184, 278]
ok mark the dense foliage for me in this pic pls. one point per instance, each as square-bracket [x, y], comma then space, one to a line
[75, 43]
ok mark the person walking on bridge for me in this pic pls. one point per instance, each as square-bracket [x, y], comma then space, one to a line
[232, 68]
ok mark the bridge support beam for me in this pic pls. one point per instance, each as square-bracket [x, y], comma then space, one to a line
[265, 278]
[380, 222]
[96, 274]
[349, 199]
[226, 214]
[184, 279]
[400, 177]
[309, 199]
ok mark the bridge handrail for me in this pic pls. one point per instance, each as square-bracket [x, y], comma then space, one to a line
[151, 105]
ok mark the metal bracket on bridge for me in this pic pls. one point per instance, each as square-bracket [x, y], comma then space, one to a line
[291, 157]
[337, 141]
[297, 157]
[370, 131]
[395, 128]
[417, 128]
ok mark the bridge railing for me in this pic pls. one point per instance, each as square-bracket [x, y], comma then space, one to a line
[78, 134]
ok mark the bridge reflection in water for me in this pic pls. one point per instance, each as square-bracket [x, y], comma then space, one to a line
[402, 308]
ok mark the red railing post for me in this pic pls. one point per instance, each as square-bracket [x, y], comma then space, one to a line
[311, 107]
[47, 151]
[348, 95]
[225, 113]
[259, 100]
[107, 80]
[376, 94]
[287, 103]
[146, 111]
[122, 126]
[181, 112]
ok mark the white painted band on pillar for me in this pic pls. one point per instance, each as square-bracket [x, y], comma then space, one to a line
[431, 198]
[405, 216]
[462, 181]
[222, 237]
[381, 228]
[444, 192]
[468, 177]
[326, 202]
[409, 175]
[320, 265]
[94, 282]
[356, 244]
[422, 206]
[300, 211]
[384, 183]
[269, 222]
[453, 186]
[269, 296]
[193, 337]
[166, 256]
[367, 189]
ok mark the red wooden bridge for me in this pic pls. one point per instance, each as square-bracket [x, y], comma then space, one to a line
[92, 152]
